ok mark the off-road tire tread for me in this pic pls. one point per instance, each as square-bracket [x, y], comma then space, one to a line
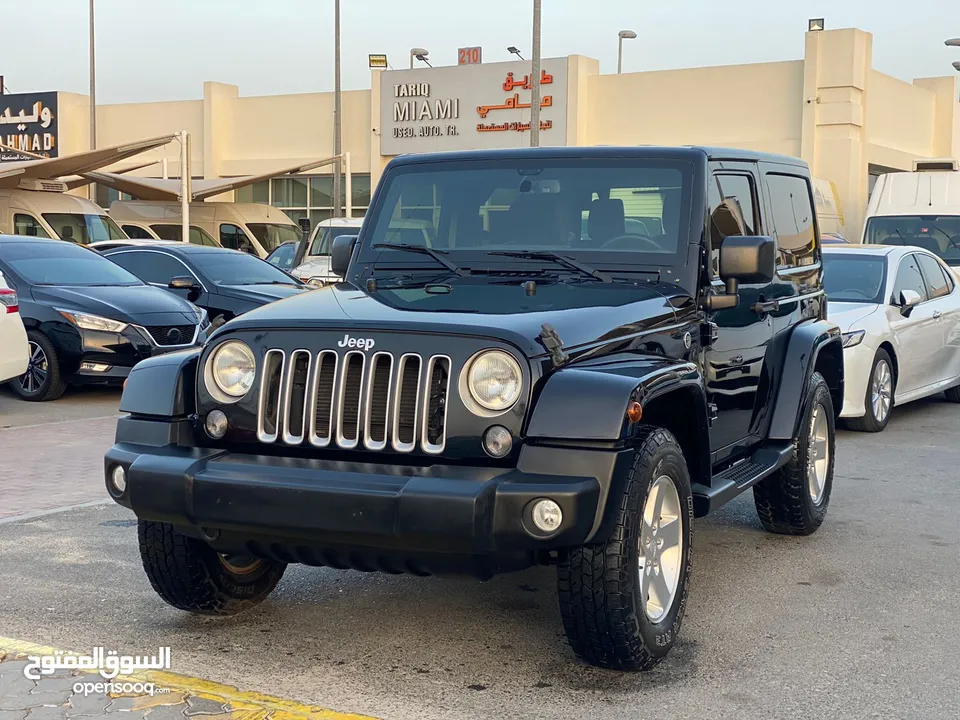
[178, 568]
[600, 627]
[56, 386]
[867, 423]
[780, 498]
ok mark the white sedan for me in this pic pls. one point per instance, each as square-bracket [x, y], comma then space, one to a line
[899, 311]
[14, 350]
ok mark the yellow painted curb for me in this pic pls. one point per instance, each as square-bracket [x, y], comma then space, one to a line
[246, 705]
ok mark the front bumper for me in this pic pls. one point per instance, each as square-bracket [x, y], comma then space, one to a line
[857, 366]
[354, 514]
[105, 357]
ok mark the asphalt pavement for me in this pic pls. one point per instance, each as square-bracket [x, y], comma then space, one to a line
[857, 621]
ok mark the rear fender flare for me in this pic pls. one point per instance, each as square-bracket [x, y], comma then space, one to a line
[815, 345]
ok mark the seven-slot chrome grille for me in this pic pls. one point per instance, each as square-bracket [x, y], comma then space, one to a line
[354, 400]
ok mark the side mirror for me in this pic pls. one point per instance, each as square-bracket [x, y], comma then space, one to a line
[185, 282]
[341, 254]
[908, 300]
[743, 259]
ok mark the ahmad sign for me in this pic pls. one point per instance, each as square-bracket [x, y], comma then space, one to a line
[28, 121]
[466, 107]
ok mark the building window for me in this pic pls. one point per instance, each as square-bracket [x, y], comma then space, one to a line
[301, 196]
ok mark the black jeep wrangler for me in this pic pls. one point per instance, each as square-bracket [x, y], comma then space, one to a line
[538, 356]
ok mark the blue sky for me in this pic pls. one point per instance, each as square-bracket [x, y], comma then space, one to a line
[165, 49]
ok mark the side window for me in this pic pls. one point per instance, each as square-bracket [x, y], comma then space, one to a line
[937, 283]
[151, 267]
[909, 277]
[28, 225]
[234, 238]
[135, 232]
[793, 220]
[732, 211]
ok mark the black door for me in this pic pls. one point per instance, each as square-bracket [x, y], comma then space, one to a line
[736, 364]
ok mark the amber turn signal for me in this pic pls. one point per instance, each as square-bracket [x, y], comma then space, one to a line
[634, 412]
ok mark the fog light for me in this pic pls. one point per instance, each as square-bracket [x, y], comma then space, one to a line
[216, 424]
[118, 478]
[94, 367]
[547, 516]
[497, 441]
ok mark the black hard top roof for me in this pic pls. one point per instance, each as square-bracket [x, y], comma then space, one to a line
[601, 151]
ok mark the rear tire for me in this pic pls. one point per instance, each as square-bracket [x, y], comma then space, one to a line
[190, 575]
[878, 401]
[952, 394]
[610, 594]
[794, 500]
[41, 382]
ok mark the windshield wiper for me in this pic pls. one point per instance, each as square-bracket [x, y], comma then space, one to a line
[437, 255]
[558, 259]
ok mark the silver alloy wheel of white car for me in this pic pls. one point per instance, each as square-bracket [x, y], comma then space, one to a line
[818, 454]
[881, 391]
[36, 375]
[661, 548]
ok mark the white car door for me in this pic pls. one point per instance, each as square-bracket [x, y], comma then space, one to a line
[945, 301]
[13, 339]
[918, 332]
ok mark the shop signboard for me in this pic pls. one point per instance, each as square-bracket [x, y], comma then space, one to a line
[472, 106]
[28, 121]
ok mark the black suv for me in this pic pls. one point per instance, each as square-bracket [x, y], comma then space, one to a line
[538, 356]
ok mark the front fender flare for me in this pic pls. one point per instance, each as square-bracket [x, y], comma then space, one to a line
[808, 343]
[162, 386]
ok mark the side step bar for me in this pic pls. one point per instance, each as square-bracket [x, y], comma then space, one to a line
[741, 476]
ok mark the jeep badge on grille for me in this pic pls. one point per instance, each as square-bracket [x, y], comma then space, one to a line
[360, 343]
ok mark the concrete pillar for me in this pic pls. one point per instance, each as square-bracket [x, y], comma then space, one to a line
[837, 67]
[946, 124]
[579, 69]
[217, 128]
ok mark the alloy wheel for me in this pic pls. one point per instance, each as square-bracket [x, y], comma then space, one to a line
[881, 391]
[818, 454]
[36, 375]
[661, 548]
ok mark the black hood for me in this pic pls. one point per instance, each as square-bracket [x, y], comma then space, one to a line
[137, 304]
[583, 314]
[260, 294]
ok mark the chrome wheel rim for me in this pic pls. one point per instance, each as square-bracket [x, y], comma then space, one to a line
[818, 454]
[239, 564]
[37, 368]
[661, 548]
[881, 391]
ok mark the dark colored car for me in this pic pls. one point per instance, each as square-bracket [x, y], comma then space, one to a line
[225, 283]
[88, 320]
[522, 390]
[284, 256]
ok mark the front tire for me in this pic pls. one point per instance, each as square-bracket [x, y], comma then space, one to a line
[879, 396]
[794, 500]
[190, 575]
[623, 601]
[42, 380]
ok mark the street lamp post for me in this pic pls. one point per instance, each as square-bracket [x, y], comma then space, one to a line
[93, 98]
[513, 50]
[418, 54]
[621, 36]
[954, 42]
[535, 86]
[337, 113]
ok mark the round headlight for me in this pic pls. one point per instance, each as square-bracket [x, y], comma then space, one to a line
[232, 369]
[495, 380]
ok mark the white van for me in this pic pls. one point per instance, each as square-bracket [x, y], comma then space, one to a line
[829, 212]
[252, 227]
[920, 208]
[54, 214]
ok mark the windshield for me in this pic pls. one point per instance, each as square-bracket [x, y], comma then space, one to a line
[326, 236]
[284, 256]
[272, 235]
[84, 229]
[939, 234]
[848, 277]
[236, 268]
[54, 263]
[604, 212]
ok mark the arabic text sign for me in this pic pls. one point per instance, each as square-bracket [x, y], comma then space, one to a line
[28, 121]
[475, 106]
[108, 663]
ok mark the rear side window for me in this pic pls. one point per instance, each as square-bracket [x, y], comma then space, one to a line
[732, 211]
[151, 267]
[793, 220]
[28, 225]
[136, 232]
[937, 282]
[909, 277]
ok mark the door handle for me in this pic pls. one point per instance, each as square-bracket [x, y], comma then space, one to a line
[764, 306]
[937, 314]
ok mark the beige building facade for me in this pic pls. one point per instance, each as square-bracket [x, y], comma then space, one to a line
[832, 108]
